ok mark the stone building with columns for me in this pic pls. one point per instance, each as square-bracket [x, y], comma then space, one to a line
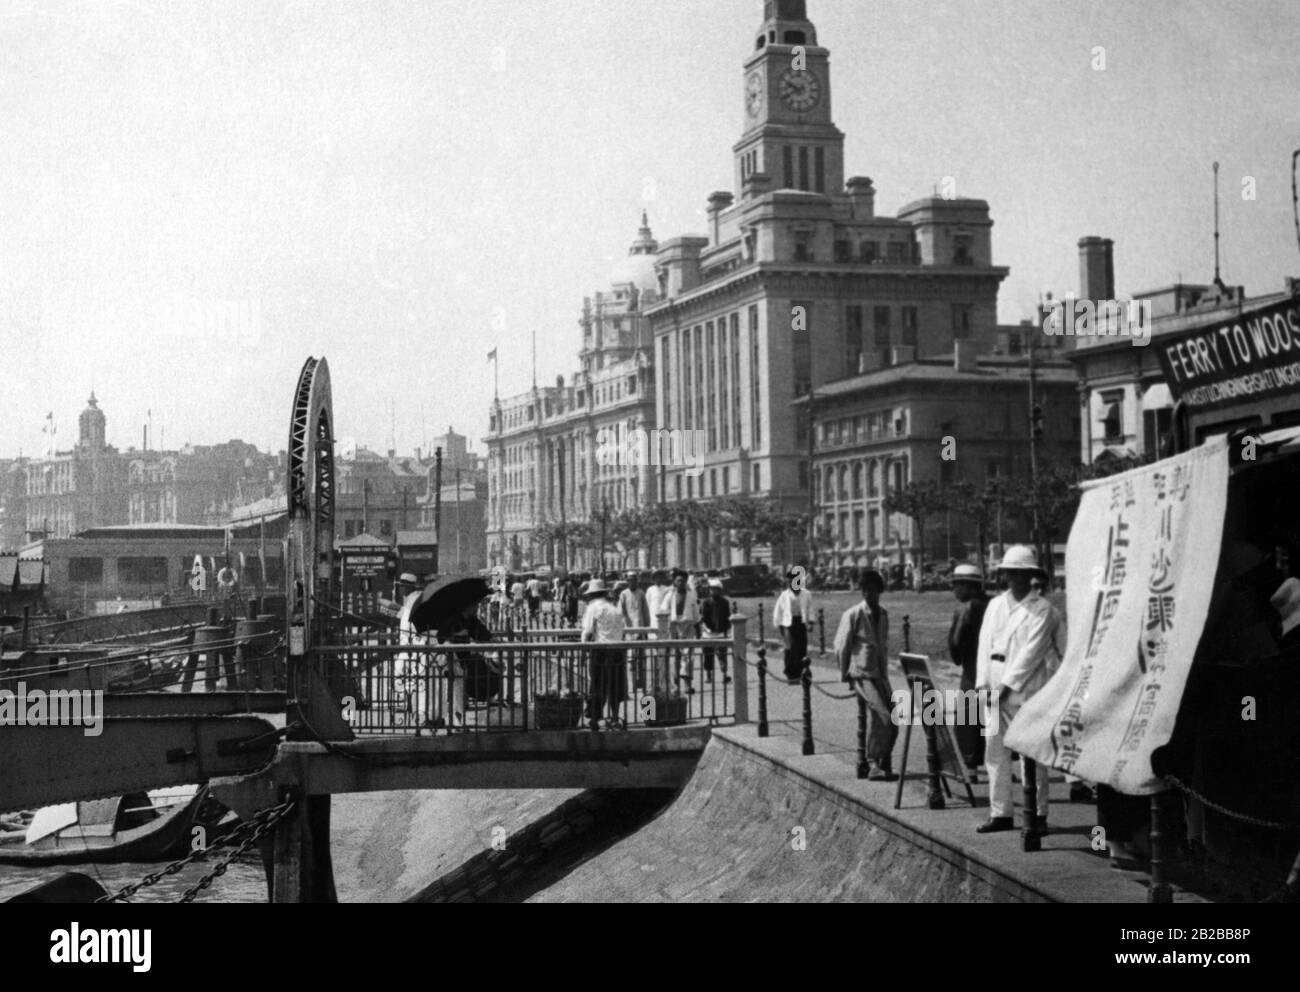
[543, 468]
[799, 282]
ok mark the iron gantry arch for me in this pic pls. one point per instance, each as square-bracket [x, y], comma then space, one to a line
[311, 491]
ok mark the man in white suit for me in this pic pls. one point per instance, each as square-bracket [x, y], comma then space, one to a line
[1018, 653]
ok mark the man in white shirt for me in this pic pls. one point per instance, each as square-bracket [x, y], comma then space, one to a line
[654, 596]
[790, 618]
[409, 669]
[603, 624]
[683, 609]
[1018, 653]
[633, 605]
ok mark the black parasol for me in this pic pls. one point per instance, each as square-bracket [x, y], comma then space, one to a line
[445, 598]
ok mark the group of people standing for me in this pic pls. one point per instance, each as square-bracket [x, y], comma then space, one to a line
[609, 615]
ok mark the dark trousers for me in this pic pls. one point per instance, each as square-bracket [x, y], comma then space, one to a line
[969, 738]
[608, 683]
[798, 649]
[707, 660]
[1121, 816]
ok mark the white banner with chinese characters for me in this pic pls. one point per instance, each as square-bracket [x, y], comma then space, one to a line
[1140, 569]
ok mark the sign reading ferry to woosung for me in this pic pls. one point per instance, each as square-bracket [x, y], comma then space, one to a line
[1140, 569]
[1247, 357]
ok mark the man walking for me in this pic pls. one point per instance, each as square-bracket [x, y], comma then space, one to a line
[1017, 655]
[790, 617]
[862, 648]
[716, 614]
[963, 650]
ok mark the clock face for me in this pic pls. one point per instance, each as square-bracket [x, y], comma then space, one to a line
[801, 90]
[754, 95]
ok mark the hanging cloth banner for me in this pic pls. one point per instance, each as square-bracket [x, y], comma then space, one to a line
[1140, 570]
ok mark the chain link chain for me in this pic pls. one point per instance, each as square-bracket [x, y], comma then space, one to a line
[1256, 821]
[255, 826]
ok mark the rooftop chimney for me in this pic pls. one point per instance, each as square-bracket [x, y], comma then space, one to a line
[863, 196]
[1096, 269]
[718, 202]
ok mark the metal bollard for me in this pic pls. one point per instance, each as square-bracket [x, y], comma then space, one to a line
[1030, 838]
[907, 632]
[864, 766]
[821, 631]
[935, 798]
[214, 659]
[807, 707]
[762, 689]
[1160, 891]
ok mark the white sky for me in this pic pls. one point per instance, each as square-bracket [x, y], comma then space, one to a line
[374, 179]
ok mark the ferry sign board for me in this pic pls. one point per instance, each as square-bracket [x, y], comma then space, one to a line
[1251, 356]
[364, 583]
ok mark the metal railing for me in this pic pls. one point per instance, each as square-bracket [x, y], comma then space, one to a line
[554, 682]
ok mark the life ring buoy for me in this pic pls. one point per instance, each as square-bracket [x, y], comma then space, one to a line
[226, 578]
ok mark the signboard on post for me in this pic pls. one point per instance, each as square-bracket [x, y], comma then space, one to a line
[363, 581]
[1141, 564]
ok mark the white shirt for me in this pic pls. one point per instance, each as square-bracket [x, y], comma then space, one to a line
[1026, 634]
[787, 607]
[690, 611]
[517, 590]
[654, 597]
[534, 588]
[603, 622]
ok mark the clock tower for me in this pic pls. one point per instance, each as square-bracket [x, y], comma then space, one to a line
[789, 141]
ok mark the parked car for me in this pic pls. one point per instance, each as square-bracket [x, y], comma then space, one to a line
[750, 580]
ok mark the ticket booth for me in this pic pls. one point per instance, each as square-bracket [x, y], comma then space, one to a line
[417, 553]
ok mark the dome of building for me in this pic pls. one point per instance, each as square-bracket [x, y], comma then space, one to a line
[638, 268]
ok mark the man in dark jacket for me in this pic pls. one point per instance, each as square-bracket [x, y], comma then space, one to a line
[715, 615]
[963, 650]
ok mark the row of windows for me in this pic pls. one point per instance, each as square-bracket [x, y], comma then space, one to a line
[859, 480]
[688, 489]
[864, 427]
[152, 570]
[704, 362]
[810, 180]
[848, 529]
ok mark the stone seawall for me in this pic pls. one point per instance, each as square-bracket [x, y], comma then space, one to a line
[751, 827]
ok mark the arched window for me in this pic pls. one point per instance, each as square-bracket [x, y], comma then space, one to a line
[857, 481]
[844, 482]
[873, 479]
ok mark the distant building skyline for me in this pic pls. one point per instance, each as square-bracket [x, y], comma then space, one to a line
[232, 191]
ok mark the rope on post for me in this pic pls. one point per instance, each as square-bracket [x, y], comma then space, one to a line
[807, 707]
[762, 690]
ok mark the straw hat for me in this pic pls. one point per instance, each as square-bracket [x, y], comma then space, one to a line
[594, 588]
[967, 573]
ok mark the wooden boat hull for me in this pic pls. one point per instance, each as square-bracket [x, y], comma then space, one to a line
[163, 838]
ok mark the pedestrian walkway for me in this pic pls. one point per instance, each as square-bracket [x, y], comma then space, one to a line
[1066, 869]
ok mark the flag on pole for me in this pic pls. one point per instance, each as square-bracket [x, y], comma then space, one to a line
[492, 357]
